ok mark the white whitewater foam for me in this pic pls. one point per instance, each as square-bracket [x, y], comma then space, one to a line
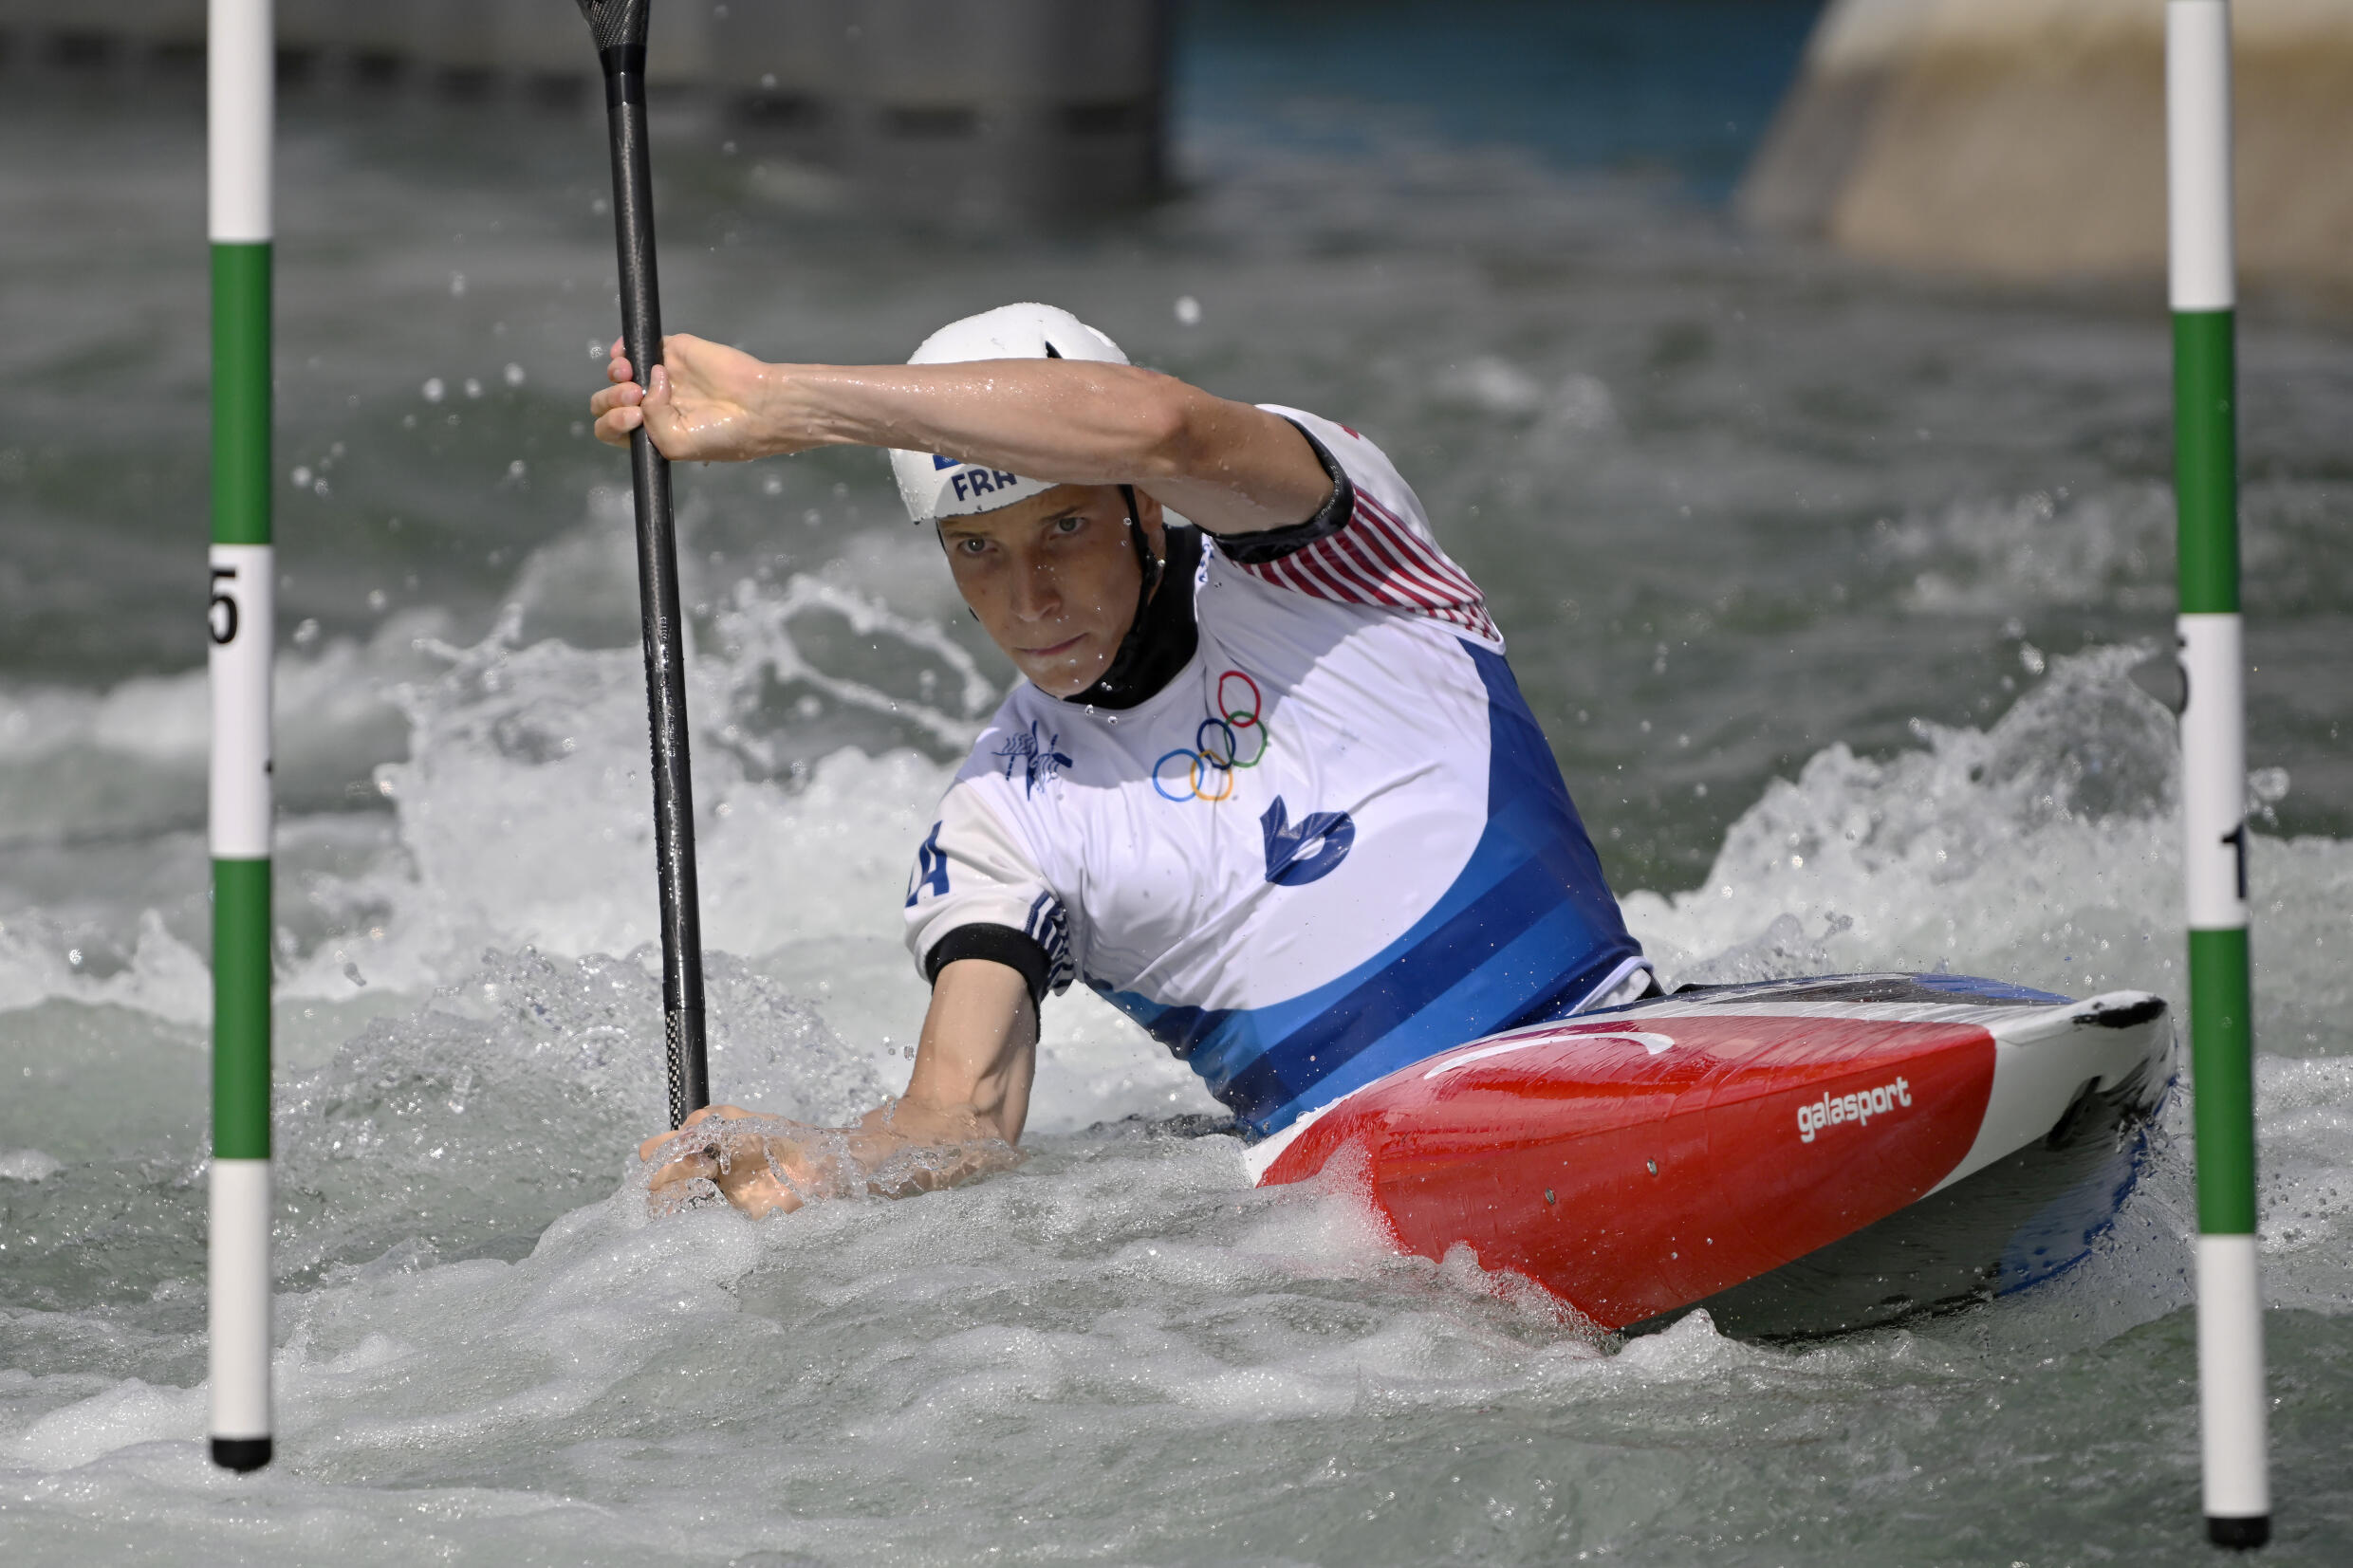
[478, 1323]
[29, 1164]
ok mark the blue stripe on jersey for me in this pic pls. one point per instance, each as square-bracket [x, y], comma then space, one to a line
[1527, 932]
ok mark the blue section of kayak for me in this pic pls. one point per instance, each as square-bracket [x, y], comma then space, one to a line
[2064, 1233]
[1956, 989]
[1987, 991]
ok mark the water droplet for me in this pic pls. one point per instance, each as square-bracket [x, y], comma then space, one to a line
[513, 374]
[1188, 310]
[434, 389]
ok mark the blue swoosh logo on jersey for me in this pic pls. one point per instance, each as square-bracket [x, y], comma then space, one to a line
[1325, 835]
[1527, 931]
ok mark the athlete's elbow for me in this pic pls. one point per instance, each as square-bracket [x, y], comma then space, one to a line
[1167, 431]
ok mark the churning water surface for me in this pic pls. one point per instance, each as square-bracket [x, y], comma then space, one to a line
[1826, 588]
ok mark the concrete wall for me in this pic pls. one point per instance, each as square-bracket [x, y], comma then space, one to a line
[486, 42]
[959, 107]
[2026, 138]
[955, 108]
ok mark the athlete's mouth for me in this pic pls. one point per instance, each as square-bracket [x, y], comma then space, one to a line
[1056, 650]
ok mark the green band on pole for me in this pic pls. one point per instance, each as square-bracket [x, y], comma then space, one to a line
[2206, 459]
[241, 394]
[241, 1009]
[2223, 1072]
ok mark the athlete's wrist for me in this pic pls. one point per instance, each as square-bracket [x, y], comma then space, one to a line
[797, 407]
[770, 399]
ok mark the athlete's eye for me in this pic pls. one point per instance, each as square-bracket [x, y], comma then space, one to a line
[1068, 525]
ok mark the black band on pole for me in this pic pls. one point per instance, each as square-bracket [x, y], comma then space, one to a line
[2243, 1531]
[620, 28]
[241, 1454]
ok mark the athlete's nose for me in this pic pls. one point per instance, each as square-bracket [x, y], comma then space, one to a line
[1036, 595]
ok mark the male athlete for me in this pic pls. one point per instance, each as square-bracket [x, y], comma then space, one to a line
[1268, 787]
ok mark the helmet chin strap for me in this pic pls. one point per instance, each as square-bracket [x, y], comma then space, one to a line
[1120, 670]
[1149, 563]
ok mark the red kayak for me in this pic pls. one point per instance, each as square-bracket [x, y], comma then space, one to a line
[1802, 1157]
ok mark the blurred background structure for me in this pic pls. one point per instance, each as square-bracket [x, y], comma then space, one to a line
[2005, 139]
[2026, 138]
[970, 104]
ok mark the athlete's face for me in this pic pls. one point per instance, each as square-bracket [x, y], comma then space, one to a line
[1053, 578]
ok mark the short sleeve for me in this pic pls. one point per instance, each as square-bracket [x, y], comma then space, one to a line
[1379, 552]
[975, 894]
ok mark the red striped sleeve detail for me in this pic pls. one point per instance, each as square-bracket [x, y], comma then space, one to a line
[1379, 559]
[1377, 575]
[1459, 599]
[1401, 561]
[1426, 557]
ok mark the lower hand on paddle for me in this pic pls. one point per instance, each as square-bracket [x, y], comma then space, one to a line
[960, 1119]
[775, 1167]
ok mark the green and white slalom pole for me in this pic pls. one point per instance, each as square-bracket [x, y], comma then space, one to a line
[241, 62]
[2213, 784]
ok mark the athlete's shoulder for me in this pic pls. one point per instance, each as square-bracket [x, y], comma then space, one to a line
[1371, 545]
[1361, 458]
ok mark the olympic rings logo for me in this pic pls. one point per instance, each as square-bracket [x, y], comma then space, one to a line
[1219, 742]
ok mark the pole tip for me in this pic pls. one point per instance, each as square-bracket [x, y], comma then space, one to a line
[2244, 1532]
[241, 1454]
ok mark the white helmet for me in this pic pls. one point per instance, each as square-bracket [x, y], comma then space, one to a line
[934, 486]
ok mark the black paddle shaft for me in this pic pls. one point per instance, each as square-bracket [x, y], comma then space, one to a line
[620, 28]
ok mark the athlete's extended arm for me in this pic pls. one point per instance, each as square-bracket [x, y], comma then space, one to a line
[1227, 465]
[968, 1097]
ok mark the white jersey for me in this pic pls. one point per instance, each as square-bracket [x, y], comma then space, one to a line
[1333, 843]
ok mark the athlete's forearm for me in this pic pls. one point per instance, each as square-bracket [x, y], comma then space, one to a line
[975, 1061]
[1230, 467]
[1227, 465]
[969, 1095]
[1068, 420]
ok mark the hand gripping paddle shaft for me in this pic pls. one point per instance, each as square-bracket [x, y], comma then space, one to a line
[620, 29]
